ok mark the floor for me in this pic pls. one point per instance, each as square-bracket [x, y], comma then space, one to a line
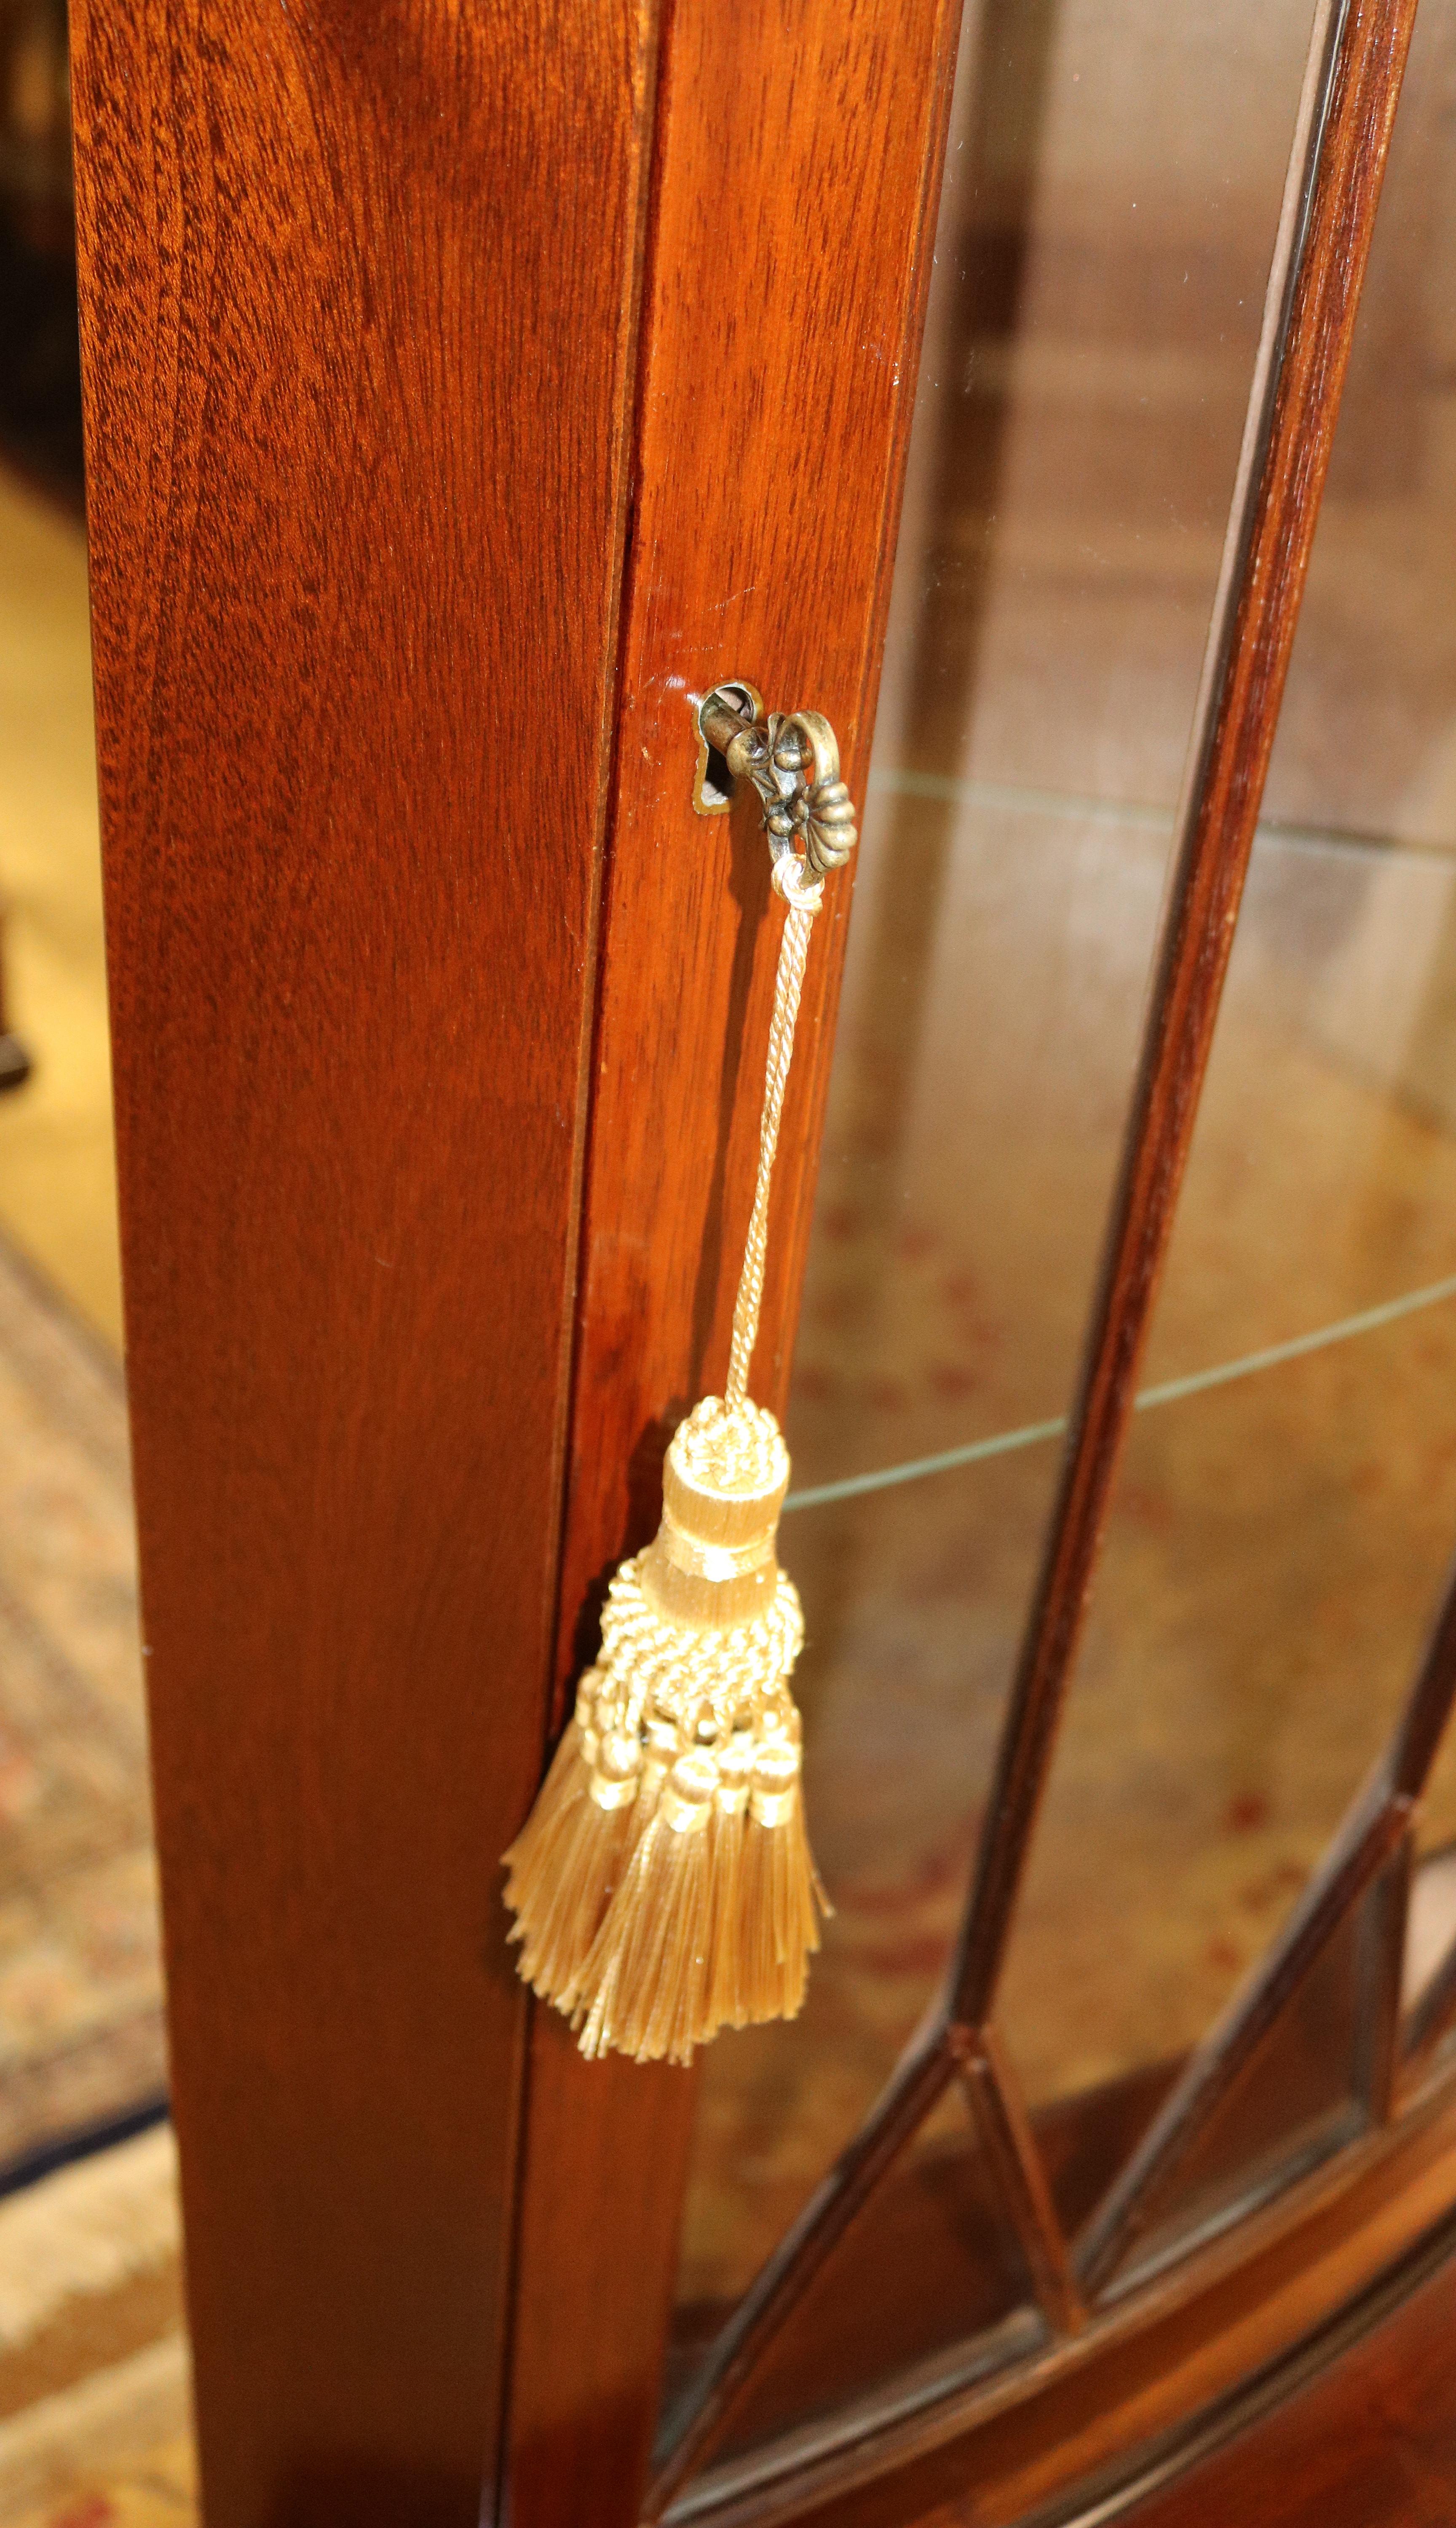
[93, 2381]
[81, 1979]
[57, 1164]
[157, 2490]
[92, 2364]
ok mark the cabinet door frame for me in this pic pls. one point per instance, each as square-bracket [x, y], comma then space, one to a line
[652, 1335]
[764, 530]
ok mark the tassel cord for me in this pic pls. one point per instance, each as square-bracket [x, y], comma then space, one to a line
[788, 986]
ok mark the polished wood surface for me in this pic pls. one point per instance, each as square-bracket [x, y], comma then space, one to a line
[358, 289]
[1369, 2442]
[780, 332]
[1145, 2386]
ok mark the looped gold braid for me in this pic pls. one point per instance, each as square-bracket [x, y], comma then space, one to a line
[792, 954]
[662, 1885]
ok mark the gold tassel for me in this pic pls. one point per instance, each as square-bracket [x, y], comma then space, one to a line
[663, 1886]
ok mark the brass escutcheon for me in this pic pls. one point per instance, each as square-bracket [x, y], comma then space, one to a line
[791, 759]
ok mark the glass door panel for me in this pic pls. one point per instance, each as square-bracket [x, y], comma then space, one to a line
[1287, 1505]
[1111, 198]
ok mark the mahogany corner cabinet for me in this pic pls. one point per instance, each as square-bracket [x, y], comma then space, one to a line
[1057, 402]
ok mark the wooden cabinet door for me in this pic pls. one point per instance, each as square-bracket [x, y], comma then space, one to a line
[467, 393]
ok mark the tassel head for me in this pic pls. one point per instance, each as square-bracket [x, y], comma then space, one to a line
[713, 1560]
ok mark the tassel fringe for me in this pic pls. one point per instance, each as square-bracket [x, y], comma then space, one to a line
[664, 1890]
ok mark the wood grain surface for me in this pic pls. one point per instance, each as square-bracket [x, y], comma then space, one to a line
[1068, 2438]
[781, 324]
[359, 285]
[1369, 2442]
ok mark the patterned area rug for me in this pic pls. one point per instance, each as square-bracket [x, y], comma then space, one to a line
[94, 2367]
[80, 1984]
[158, 2490]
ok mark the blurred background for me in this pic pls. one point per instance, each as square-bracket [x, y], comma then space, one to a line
[92, 2372]
[1289, 1496]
